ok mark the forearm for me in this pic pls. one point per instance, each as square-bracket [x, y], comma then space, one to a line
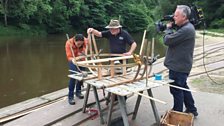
[132, 48]
[94, 31]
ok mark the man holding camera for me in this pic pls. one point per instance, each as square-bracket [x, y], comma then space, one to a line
[179, 58]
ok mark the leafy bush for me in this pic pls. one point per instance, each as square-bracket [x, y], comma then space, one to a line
[217, 24]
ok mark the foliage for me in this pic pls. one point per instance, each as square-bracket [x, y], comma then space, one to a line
[56, 16]
[92, 14]
[217, 30]
[213, 13]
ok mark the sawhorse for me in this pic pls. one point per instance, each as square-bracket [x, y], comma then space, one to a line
[97, 101]
[122, 105]
[139, 86]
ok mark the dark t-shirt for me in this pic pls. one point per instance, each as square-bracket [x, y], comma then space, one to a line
[118, 42]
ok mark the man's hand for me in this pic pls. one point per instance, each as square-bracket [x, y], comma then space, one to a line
[94, 32]
[169, 25]
[89, 30]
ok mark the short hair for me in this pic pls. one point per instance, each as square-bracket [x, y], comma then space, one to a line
[79, 37]
[186, 11]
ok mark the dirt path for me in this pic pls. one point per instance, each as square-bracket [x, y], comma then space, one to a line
[213, 80]
[217, 38]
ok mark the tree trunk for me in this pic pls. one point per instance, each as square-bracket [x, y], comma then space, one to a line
[5, 10]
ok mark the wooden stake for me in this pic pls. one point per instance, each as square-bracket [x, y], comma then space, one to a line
[112, 71]
[124, 68]
[185, 89]
[86, 52]
[153, 46]
[90, 44]
[143, 43]
[99, 70]
[95, 45]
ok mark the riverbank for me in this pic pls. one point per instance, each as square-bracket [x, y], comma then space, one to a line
[23, 30]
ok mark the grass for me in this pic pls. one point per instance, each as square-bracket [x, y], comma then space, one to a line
[214, 35]
[217, 30]
[206, 85]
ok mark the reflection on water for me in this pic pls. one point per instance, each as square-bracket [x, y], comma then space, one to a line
[31, 67]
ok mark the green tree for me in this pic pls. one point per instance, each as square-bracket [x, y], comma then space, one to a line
[58, 16]
[58, 21]
[136, 19]
[213, 13]
[92, 14]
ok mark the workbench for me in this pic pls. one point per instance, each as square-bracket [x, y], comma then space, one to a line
[136, 87]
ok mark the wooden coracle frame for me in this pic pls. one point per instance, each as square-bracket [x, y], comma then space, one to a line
[99, 63]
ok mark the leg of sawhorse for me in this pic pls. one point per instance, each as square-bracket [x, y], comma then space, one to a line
[110, 109]
[98, 104]
[137, 106]
[108, 98]
[154, 107]
[122, 104]
[86, 98]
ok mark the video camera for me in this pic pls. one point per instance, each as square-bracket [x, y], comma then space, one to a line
[196, 18]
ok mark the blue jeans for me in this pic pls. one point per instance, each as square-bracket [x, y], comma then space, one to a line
[181, 97]
[73, 82]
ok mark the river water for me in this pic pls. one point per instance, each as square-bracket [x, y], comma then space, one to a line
[31, 67]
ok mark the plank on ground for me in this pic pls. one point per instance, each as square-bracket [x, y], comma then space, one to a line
[52, 113]
[29, 104]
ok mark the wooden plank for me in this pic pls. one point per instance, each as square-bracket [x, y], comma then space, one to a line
[120, 79]
[112, 69]
[94, 44]
[28, 106]
[90, 76]
[118, 91]
[108, 82]
[115, 80]
[21, 109]
[143, 43]
[77, 77]
[152, 51]
[134, 87]
[124, 68]
[129, 77]
[74, 120]
[99, 83]
[90, 44]
[166, 83]
[104, 60]
[99, 71]
[52, 113]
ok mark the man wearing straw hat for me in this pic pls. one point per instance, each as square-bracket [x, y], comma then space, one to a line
[74, 47]
[118, 38]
